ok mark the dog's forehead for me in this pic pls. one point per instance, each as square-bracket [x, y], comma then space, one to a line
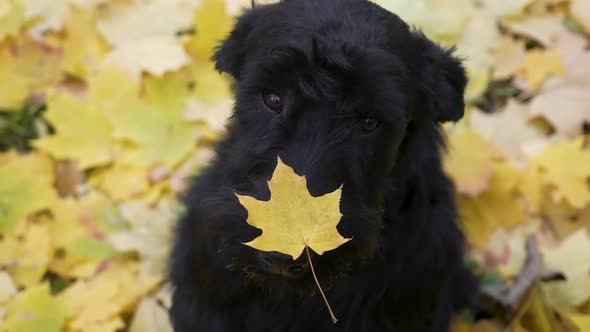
[316, 39]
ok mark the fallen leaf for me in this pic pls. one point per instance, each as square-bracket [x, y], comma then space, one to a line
[83, 132]
[510, 129]
[580, 9]
[497, 206]
[508, 56]
[566, 108]
[7, 288]
[293, 219]
[151, 317]
[572, 258]
[538, 65]
[25, 187]
[570, 178]
[34, 310]
[469, 161]
[12, 16]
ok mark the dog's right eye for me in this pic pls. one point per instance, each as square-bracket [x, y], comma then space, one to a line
[273, 101]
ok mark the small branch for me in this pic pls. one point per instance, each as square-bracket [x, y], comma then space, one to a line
[334, 319]
[531, 272]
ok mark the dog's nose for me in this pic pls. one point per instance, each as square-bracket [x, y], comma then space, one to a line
[282, 264]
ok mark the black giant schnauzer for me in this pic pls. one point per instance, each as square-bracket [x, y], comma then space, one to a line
[346, 94]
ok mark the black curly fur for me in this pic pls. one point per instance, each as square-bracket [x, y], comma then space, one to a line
[335, 63]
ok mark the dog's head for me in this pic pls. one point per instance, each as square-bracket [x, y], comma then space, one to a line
[333, 88]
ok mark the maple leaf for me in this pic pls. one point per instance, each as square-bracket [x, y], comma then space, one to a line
[538, 65]
[84, 48]
[469, 161]
[150, 47]
[12, 15]
[83, 132]
[25, 187]
[565, 165]
[566, 108]
[496, 207]
[580, 9]
[293, 219]
[26, 66]
[571, 257]
[35, 310]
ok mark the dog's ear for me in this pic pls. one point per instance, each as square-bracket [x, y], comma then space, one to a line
[231, 53]
[442, 81]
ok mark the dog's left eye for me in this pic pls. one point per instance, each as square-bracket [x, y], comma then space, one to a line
[273, 101]
[370, 124]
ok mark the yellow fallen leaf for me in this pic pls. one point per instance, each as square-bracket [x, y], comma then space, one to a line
[581, 321]
[293, 219]
[508, 56]
[83, 132]
[538, 65]
[84, 48]
[565, 107]
[156, 126]
[106, 296]
[7, 287]
[151, 317]
[572, 258]
[151, 47]
[25, 187]
[35, 310]
[122, 181]
[212, 24]
[509, 129]
[565, 165]
[155, 55]
[496, 207]
[469, 161]
[151, 234]
[545, 29]
[580, 9]
[26, 66]
[12, 16]
[31, 255]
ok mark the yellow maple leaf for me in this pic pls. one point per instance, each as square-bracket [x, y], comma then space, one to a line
[469, 161]
[35, 310]
[212, 24]
[572, 258]
[84, 48]
[156, 126]
[26, 66]
[565, 165]
[122, 181]
[107, 295]
[25, 187]
[496, 207]
[83, 132]
[538, 65]
[293, 219]
[12, 16]
[27, 256]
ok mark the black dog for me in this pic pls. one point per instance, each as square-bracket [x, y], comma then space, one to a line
[347, 94]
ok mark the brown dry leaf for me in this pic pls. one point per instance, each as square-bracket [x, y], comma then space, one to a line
[469, 161]
[566, 108]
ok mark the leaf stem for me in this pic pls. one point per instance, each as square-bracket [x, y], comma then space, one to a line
[334, 319]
